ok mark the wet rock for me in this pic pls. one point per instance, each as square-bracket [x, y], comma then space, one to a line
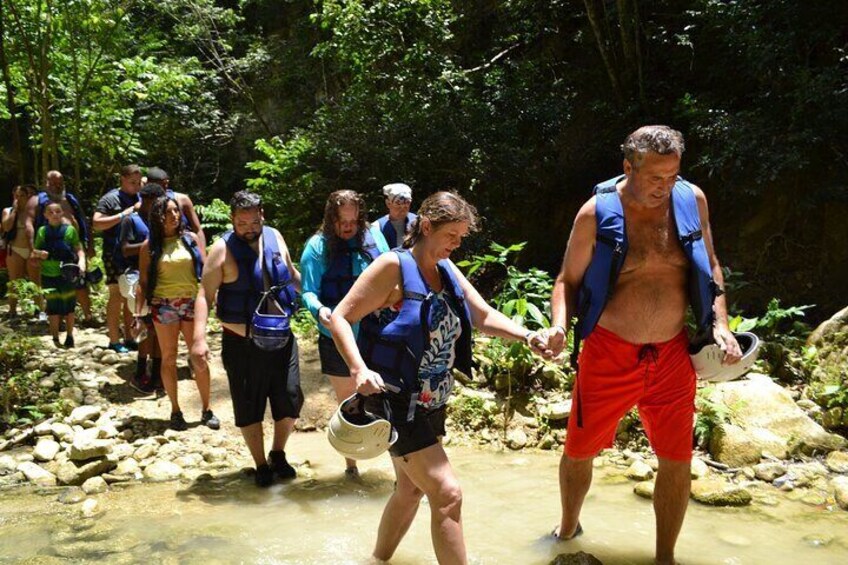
[162, 471]
[837, 461]
[94, 485]
[814, 499]
[8, 464]
[37, 475]
[840, 491]
[83, 414]
[578, 558]
[714, 492]
[73, 495]
[77, 472]
[769, 471]
[85, 448]
[698, 469]
[645, 489]
[805, 474]
[90, 508]
[45, 449]
[731, 445]
[818, 540]
[771, 419]
[639, 471]
[516, 439]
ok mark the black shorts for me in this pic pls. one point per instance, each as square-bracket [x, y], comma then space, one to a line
[425, 429]
[258, 377]
[332, 362]
[112, 270]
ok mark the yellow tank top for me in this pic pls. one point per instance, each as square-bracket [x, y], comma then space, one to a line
[175, 276]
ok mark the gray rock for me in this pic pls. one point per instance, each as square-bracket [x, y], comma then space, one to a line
[840, 491]
[715, 492]
[121, 451]
[145, 451]
[771, 420]
[645, 489]
[90, 508]
[37, 475]
[47, 382]
[516, 439]
[8, 464]
[110, 358]
[769, 471]
[83, 414]
[76, 473]
[73, 495]
[818, 540]
[127, 467]
[557, 411]
[84, 448]
[94, 485]
[46, 449]
[43, 428]
[837, 461]
[72, 393]
[162, 471]
[578, 558]
[698, 469]
[731, 445]
[62, 431]
[639, 471]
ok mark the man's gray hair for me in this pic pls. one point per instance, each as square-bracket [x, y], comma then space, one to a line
[661, 140]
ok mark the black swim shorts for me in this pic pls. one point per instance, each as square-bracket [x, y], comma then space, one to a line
[332, 362]
[425, 429]
[259, 377]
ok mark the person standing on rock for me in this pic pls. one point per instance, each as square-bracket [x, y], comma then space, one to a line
[245, 263]
[640, 253]
[332, 260]
[403, 363]
[396, 223]
[112, 208]
[170, 263]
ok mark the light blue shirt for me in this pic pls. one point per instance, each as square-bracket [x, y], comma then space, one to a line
[313, 264]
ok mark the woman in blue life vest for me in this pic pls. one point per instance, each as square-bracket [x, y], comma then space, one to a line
[170, 263]
[413, 354]
[332, 260]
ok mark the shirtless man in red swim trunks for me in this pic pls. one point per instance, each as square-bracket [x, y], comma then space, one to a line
[637, 354]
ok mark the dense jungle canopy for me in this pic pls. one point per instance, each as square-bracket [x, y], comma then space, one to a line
[520, 105]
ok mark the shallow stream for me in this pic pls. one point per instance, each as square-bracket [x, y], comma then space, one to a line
[510, 504]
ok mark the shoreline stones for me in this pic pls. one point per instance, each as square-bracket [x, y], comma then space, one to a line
[719, 493]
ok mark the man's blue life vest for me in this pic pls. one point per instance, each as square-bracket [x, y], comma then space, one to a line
[238, 300]
[338, 278]
[611, 249]
[138, 233]
[111, 235]
[57, 248]
[395, 349]
[82, 223]
[191, 244]
[389, 230]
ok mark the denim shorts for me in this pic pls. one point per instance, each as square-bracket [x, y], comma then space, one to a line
[172, 310]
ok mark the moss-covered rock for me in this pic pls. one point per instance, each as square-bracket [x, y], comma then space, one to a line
[714, 492]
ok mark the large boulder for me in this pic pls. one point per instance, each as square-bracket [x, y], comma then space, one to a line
[831, 341]
[578, 558]
[766, 418]
[77, 472]
[714, 492]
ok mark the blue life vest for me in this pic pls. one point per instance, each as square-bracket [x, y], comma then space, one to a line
[111, 235]
[57, 248]
[82, 223]
[139, 232]
[237, 300]
[611, 249]
[395, 349]
[338, 279]
[389, 230]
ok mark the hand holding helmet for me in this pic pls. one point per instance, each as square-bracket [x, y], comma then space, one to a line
[368, 382]
[710, 359]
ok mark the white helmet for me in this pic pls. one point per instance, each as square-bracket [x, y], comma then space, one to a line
[358, 434]
[707, 360]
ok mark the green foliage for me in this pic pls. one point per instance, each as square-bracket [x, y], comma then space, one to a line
[28, 295]
[709, 415]
[304, 325]
[22, 398]
[214, 217]
[776, 320]
[471, 411]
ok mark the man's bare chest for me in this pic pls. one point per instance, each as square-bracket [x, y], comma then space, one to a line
[653, 242]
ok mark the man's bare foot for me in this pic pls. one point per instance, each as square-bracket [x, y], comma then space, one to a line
[577, 531]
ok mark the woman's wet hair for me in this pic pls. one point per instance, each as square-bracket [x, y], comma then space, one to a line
[334, 202]
[442, 208]
[156, 242]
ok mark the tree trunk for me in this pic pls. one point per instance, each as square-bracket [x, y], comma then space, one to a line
[10, 101]
[597, 21]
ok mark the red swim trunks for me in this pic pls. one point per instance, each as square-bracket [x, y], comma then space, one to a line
[615, 375]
